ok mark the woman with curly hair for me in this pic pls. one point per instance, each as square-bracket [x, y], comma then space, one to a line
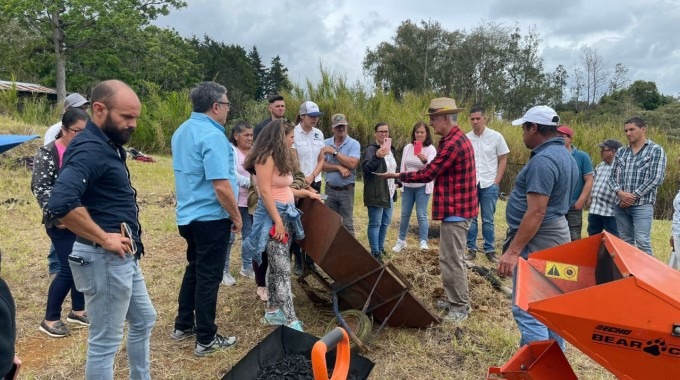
[276, 222]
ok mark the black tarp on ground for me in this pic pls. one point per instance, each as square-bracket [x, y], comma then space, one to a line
[285, 341]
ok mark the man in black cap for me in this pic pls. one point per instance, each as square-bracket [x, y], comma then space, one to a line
[602, 198]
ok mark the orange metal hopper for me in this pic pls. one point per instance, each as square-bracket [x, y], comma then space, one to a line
[612, 301]
[535, 361]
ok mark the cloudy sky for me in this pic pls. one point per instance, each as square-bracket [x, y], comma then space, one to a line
[642, 35]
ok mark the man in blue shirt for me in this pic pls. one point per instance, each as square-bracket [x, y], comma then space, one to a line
[93, 197]
[537, 205]
[583, 186]
[342, 155]
[205, 181]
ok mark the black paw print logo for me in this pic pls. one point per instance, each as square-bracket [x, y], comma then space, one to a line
[655, 347]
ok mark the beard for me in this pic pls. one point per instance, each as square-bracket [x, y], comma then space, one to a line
[117, 135]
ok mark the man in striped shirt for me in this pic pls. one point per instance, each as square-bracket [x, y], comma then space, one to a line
[454, 202]
[602, 199]
[638, 171]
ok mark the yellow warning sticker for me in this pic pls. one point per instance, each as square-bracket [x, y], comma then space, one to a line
[562, 271]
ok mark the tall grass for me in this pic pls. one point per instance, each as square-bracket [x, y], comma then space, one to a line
[163, 112]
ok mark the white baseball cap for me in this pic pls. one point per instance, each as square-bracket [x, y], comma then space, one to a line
[543, 115]
[310, 108]
[75, 100]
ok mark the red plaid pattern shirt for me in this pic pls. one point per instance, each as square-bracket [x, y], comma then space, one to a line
[455, 176]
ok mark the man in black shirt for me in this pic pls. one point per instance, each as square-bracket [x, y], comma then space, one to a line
[93, 197]
[277, 108]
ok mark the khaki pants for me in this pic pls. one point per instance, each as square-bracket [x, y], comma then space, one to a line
[452, 240]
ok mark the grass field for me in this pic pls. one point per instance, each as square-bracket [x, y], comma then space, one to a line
[488, 338]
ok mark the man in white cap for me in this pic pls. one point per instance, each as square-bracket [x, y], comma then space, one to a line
[341, 154]
[74, 100]
[537, 206]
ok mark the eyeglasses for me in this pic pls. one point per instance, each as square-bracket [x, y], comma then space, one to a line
[228, 104]
[75, 131]
[127, 232]
[383, 132]
[605, 150]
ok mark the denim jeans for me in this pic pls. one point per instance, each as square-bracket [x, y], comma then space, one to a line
[635, 225]
[246, 262]
[342, 202]
[417, 196]
[487, 203]
[550, 234]
[53, 264]
[62, 241]
[599, 223]
[379, 219]
[115, 291]
[206, 246]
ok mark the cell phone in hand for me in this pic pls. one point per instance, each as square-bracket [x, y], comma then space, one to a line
[272, 232]
[387, 143]
[417, 147]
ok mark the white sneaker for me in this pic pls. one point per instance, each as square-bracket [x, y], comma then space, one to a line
[401, 244]
[228, 279]
[423, 245]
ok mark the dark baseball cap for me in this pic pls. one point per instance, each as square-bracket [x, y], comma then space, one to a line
[611, 144]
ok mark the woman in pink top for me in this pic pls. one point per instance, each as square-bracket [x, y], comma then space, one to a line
[276, 222]
[46, 168]
[414, 157]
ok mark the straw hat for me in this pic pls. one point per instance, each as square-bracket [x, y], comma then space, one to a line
[442, 106]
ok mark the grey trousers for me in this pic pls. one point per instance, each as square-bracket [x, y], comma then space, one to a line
[452, 240]
[342, 202]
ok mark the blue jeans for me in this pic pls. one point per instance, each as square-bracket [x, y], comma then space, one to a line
[53, 264]
[635, 225]
[379, 219]
[531, 330]
[246, 262]
[114, 292]
[487, 203]
[599, 223]
[417, 196]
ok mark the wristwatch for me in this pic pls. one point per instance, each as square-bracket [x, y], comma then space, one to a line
[335, 153]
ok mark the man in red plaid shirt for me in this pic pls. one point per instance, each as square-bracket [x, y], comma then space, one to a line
[454, 202]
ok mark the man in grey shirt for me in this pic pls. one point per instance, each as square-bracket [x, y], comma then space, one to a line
[537, 206]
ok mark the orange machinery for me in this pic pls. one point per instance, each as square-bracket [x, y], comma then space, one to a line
[612, 301]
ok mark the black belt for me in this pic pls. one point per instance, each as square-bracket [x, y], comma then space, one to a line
[87, 242]
[341, 188]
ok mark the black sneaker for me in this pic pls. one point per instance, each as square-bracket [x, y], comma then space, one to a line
[58, 330]
[183, 334]
[219, 343]
[78, 319]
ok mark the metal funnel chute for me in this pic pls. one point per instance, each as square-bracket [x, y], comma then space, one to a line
[612, 301]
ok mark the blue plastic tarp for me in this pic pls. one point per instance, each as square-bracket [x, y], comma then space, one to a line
[8, 142]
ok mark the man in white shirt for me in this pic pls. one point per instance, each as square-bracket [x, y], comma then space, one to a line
[491, 158]
[74, 100]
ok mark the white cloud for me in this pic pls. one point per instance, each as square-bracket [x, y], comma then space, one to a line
[642, 36]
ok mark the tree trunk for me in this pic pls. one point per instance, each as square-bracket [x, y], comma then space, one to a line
[60, 56]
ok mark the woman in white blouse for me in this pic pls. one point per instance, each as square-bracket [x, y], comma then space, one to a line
[414, 157]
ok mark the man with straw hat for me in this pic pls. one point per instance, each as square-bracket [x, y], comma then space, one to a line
[454, 201]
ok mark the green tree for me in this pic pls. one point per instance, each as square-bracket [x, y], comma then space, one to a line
[260, 73]
[71, 26]
[277, 78]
